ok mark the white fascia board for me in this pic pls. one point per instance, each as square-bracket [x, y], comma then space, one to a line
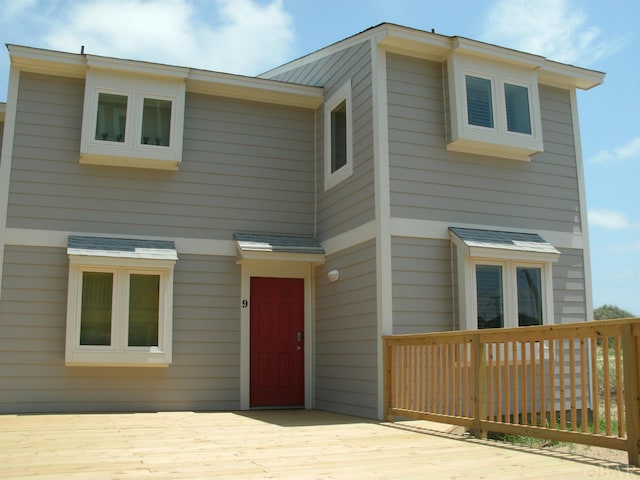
[48, 62]
[136, 67]
[256, 89]
[567, 76]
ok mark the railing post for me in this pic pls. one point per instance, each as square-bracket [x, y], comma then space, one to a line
[631, 392]
[479, 386]
[387, 371]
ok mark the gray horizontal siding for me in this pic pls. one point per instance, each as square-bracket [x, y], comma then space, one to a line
[422, 291]
[246, 167]
[351, 203]
[346, 334]
[569, 293]
[430, 183]
[204, 375]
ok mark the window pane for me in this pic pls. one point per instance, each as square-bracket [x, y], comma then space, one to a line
[112, 117]
[529, 296]
[489, 293]
[144, 305]
[479, 104]
[156, 122]
[95, 315]
[517, 101]
[339, 137]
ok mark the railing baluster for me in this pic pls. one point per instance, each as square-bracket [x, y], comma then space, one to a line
[606, 385]
[594, 386]
[573, 377]
[583, 385]
[532, 367]
[516, 401]
[543, 396]
[563, 384]
[507, 383]
[552, 383]
[619, 390]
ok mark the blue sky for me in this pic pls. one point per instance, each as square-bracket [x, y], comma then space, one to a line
[251, 36]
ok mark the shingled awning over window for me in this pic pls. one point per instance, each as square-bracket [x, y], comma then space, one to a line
[121, 248]
[479, 243]
[283, 247]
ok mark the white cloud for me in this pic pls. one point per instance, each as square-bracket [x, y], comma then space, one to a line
[628, 151]
[238, 36]
[556, 29]
[610, 219]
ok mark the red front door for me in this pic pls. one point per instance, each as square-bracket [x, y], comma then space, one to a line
[277, 342]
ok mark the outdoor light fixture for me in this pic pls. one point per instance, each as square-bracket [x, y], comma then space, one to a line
[334, 275]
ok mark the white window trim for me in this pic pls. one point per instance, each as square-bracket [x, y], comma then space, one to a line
[118, 353]
[497, 141]
[132, 152]
[343, 94]
[510, 291]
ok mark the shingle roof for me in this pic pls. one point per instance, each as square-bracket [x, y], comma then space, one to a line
[255, 242]
[524, 242]
[121, 247]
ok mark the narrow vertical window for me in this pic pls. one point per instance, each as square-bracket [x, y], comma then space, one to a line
[339, 137]
[111, 118]
[529, 284]
[517, 104]
[144, 308]
[489, 296]
[96, 308]
[156, 122]
[479, 102]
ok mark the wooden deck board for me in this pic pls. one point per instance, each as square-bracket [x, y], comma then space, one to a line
[265, 444]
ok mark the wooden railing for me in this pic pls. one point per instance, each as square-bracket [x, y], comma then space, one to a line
[573, 383]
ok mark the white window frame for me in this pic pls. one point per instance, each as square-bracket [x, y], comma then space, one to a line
[119, 353]
[132, 152]
[343, 94]
[497, 141]
[510, 290]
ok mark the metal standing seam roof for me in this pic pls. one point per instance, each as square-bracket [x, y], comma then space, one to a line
[518, 241]
[122, 247]
[255, 242]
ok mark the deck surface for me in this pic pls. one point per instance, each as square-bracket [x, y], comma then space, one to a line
[267, 444]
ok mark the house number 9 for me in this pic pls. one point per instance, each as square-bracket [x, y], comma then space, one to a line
[245, 304]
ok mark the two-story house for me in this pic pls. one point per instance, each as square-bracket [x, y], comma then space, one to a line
[173, 238]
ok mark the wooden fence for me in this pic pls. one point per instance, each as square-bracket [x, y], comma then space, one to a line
[570, 383]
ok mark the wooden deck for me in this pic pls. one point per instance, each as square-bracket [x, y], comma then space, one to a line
[267, 444]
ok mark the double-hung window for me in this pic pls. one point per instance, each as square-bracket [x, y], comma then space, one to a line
[119, 309]
[133, 120]
[494, 108]
[504, 278]
[509, 294]
[338, 142]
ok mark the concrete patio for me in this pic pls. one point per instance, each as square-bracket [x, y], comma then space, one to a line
[267, 444]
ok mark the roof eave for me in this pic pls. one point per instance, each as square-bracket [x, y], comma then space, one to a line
[74, 65]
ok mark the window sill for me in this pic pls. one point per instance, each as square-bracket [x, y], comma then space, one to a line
[94, 358]
[516, 149]
[129, 161]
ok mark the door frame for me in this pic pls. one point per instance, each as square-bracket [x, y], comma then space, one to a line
[276, 269]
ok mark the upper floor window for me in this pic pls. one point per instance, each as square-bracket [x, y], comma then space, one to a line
[494, 108]
[338, 137]
[132, 120]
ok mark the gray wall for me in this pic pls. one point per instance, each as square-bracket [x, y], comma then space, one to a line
[246, 167]
[422, 290]
[569, 287]
[346, 334]
[352, 202]
[204, 375]
[430, 183]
